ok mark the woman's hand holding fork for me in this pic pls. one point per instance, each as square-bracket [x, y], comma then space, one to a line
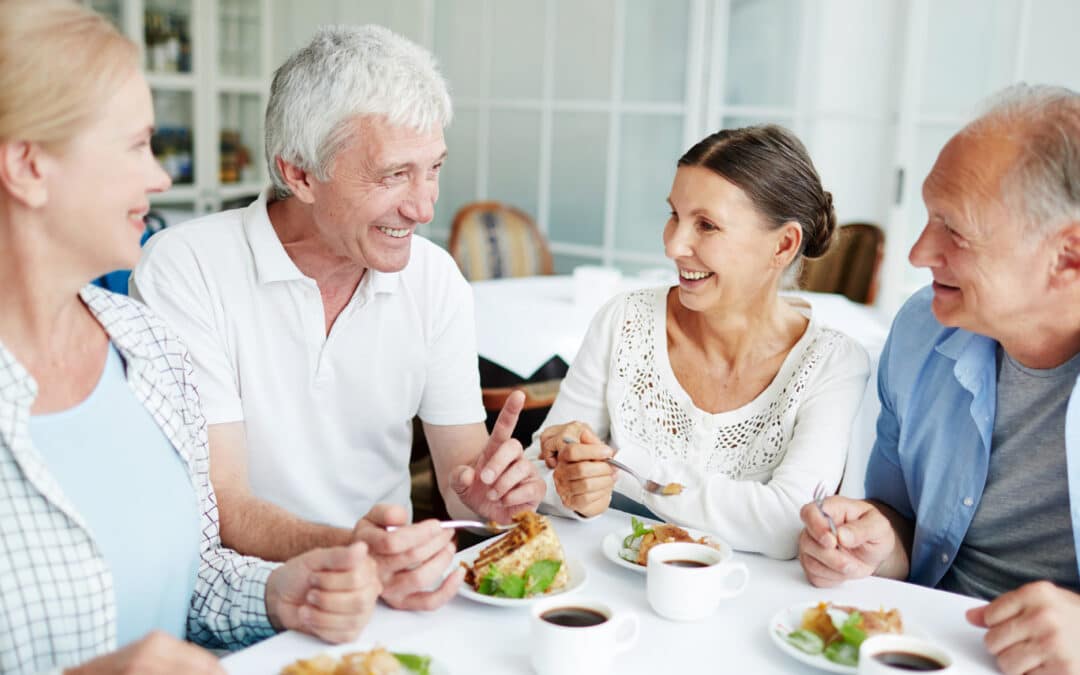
[582, 477]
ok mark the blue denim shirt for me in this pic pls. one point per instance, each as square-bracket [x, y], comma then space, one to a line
[938, 391]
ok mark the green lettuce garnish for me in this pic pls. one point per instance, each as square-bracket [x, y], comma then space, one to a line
[415, 663]
[639, 531]
[850, 630]
[536, 580]
[843, 653]
[806, 640]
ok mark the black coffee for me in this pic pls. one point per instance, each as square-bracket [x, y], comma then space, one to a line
[687, 563]
[909, 661]
[573, 617]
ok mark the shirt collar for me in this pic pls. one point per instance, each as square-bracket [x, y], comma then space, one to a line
[272, 263]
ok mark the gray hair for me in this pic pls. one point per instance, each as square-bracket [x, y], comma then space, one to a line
[343, 73]
[1044, 180]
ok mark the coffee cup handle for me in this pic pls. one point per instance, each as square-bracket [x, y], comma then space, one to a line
[623, 643]
[735, 569]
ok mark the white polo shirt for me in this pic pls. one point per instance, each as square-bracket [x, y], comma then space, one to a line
[328, 418]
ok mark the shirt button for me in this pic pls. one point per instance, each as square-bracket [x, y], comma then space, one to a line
[944, 557]
[968, 501]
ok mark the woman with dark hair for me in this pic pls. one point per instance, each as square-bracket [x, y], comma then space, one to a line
[720, 383]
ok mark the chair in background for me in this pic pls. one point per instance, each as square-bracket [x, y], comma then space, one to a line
[851, 266]
[489, 240]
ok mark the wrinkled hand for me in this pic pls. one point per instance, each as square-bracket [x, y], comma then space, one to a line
[156, 653]
[411, 559]
[501, 482]
[866, 536]
[328, 592]
[1032, 629]
[584, 481]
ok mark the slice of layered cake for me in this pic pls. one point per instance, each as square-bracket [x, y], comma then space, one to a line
[526, 561]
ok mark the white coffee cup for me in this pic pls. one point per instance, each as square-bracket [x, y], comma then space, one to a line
[687, 582]
[579, 637]
[876, 652]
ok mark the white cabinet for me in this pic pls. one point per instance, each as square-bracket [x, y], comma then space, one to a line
[208, 65]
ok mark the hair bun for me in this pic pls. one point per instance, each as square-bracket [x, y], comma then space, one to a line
[820, 235]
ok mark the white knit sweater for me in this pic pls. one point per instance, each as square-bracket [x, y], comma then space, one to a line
[747, 471]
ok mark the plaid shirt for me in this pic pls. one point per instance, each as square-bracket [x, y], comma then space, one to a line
[57, 607]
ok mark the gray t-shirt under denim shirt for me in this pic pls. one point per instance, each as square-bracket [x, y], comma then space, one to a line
[1022, 531]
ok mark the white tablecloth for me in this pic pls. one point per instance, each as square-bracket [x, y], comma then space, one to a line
[468, 638]
[522, 322]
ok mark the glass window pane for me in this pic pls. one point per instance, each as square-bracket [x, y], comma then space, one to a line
[969, 53]
[929, 142]
[565, 262]
[855, 161]
[578, 177]
[241, 138]
[239, 38]
[739, 121]
[514, 164]
[654, 53]
[1051, 56]
[112, 10]
[650, 145]
[167, 36]
[405, 17]
[660, 272]
[517, 49]
[761, 54]
[583, 43]
[459, 44]
[172, 141]
[457, 180]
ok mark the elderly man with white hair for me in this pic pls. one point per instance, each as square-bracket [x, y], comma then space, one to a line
[973, 485]
[320, 325]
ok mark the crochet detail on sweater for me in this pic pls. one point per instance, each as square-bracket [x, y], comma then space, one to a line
[657, 420]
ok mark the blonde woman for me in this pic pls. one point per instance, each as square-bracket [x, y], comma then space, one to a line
[718, 383]
[109, 550]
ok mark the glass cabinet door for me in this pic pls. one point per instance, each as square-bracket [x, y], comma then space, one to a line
[240, 36]
[240, 138]
[167, 35]
[173, 142]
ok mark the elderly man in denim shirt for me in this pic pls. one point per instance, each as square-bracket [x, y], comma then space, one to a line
[973, 485]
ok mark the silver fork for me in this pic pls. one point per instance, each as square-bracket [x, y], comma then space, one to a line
[819, 499]
[490, 526]
[650, 486]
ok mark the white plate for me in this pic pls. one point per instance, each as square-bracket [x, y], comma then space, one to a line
[612, 544]
[790, 618]
[437, 667]
[575, 572]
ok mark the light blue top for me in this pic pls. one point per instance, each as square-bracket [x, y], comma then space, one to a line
[132, 488]
[938, 391]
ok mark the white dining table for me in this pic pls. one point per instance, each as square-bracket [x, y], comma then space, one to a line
[469, 638]
[522, 322]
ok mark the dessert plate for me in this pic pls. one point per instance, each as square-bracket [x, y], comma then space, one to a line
[575, 571]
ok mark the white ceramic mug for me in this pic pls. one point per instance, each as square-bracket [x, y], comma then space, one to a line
[876, 652]
[687, 582]
[560, 649]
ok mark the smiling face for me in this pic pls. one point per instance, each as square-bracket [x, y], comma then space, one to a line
[722, 246]
[382, 185]
[98, 185]
[989, 267]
